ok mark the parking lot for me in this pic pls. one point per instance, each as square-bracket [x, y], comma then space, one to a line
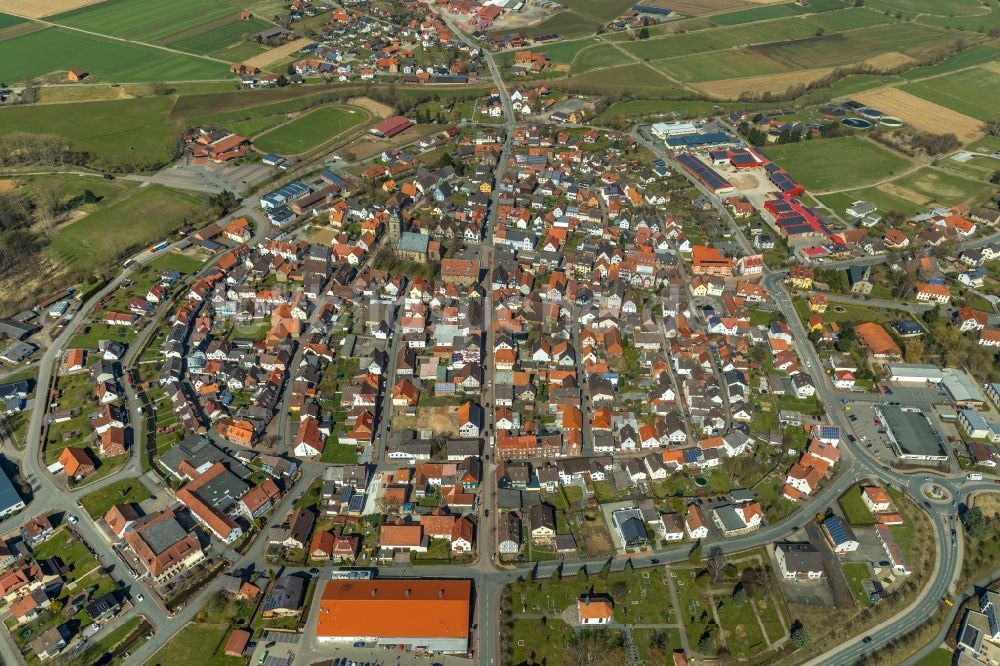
[281, 648]
[870, 434]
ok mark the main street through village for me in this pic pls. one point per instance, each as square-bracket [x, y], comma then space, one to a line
[50, 495]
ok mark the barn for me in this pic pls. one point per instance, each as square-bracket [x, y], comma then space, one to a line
[391, 127]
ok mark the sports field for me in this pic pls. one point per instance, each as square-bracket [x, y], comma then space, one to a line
[57, 50]
[150, 214]
[933, 186]
[836, 164]
[309, 130]
[127, 133]
[147, 20]
[973, 92]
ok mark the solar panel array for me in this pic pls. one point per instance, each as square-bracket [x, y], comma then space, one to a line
[836, 529]
[709, 139]
[783, 181]
[706, 174]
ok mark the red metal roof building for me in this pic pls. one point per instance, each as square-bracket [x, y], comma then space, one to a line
[391, 127]
[432, 615]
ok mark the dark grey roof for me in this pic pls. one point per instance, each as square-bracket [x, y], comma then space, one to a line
[161, 534]
[9, 498]
[285, 593]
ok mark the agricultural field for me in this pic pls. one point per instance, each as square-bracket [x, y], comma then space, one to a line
[974, 55]
[889, 44]
[100, 238]
[581, 17]
[601, 56]
[818, 164]
[309, 130]
[639, 79]
[702, 41]
[921, 113]
[7, 20]
[54, 51]
[120, 134]
[217, 36]
[933, 7]
[953, 91]
[929, 185]
[560, 53]
[147, 20]
[767, 12]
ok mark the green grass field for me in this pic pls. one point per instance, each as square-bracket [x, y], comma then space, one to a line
[849, 85]
[886, 202]
[566, 24]
[979, 23]
[857, 573]
[848, 19]
[974, 55]
[151, 213]
[146, 20]
[953, 91]
[936, 7]
[819, 164]
[854, 508]
[599, 57]
[198, 644]
[637, 79]
[7, 20]
[581, 17]
[310, 130]
[217, 37]
[129, 133]
[774, 11]
[56, 50]
[560, 53]
[940, 187]
[716, 39]
[125, 491]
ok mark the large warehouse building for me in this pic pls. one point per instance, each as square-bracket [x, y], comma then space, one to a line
[911, 433]
[424, 615]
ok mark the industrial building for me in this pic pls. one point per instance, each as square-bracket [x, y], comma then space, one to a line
[432, 615]
[911, 434]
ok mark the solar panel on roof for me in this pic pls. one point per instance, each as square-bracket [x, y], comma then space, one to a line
[357, 503]
[836, 529]
[830, 432]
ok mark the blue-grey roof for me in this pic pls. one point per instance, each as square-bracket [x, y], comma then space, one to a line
[9, 498]
[413, 242]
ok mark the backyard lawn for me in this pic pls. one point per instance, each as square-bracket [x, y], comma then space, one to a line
[200, 644]
[126, 491]
[857, 573]
[854, 507]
